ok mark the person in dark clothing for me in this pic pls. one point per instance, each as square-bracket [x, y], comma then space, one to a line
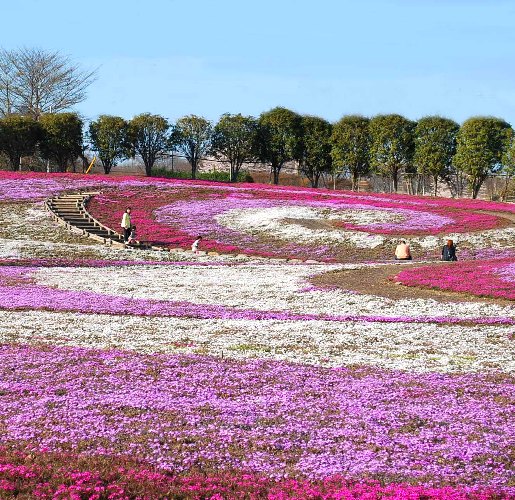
[449, 251]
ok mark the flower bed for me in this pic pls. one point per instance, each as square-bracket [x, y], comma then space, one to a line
[67, 289]
[37, 186]
[46, 475]
[58, 475]
[490, 278]
[270, 222]
[185, 412]
[229, 377]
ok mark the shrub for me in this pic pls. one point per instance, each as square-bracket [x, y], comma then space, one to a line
[215, 176]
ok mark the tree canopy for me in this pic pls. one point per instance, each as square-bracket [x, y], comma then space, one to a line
[61, 138]
[315, 156]
[192, 135]
[435, 146]
[34, 81]
[392, 145]
[351, 146]
[508, 158]
[481, 143]
[109, 136]
[235, 139]
[280, 138]
[150, 138]
[19, 136]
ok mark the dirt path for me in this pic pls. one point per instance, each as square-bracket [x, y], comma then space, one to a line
[375, 281]
[504, 215]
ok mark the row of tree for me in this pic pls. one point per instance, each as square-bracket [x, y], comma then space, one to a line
[55, 137]
[36, 86]
[388, 145]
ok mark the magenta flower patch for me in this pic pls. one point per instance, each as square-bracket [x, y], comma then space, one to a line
[279, 419]
[281, 222]
[490, 278]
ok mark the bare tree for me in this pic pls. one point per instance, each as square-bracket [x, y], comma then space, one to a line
[6, 86]
[33, 82]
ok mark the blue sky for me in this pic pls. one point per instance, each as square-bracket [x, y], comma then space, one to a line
[323, 57]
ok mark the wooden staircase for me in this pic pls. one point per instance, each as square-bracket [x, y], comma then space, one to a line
[70, 210]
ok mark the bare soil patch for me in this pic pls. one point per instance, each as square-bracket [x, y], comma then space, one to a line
[376, 281]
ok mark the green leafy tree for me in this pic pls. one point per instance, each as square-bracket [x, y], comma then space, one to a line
[19, 136]
[351, 142]
[280, 138]
[481, 144]
[435, 146]
[192, 136]
[392, 146]
[508, 157]
[149, 136]
[61, 140]
[316, 148]
[508, 161]
[234, 139]
[110, 140]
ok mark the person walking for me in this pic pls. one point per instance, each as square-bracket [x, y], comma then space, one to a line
[449, 251]
[126, 224]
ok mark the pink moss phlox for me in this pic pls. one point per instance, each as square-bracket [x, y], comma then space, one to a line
[485, 278]
[121, 482]
[15, 182]
[18, 292]
[269, 418]
[335, 429]
[418, 215]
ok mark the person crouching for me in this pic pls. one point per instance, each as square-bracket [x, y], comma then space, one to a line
[196, 243]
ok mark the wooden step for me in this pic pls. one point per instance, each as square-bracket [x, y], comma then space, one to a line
[70, 210]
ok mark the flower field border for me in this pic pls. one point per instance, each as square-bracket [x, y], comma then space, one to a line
[134, 374]
[45, 476]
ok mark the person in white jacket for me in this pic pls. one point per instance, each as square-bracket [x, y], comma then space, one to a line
[126, 224]
[196, 243]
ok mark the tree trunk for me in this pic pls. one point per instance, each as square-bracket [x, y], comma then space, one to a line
[435, 180]
[235, 170]
[15, 162]
[476, 186]
[62, 164]
[354, 180]
[395, 179]
[275, 171]
[85, 162]
[504, 192]
[193, 169]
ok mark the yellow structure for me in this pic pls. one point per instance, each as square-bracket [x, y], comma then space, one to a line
[91, 164]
